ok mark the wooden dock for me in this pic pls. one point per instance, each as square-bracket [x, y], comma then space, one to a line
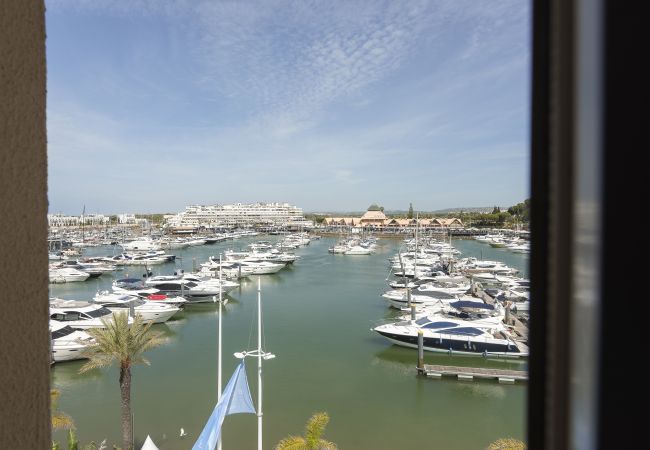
[469, 373]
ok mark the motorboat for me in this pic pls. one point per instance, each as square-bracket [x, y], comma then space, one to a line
[94, 269]
[456, 337]
[147, 310]
[196, 242]
[192, 291]
[79, 314]
[358, 250]
[141, 245]
[398, 298]
[133, 286]
[172, 244]
[67, 275]
[338, 249]
[67, 343]
[137, 287]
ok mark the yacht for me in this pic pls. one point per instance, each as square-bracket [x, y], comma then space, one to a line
[67, 275]
[136, 287]
[358, 250]
[398, 298]
[172, 244]
[149, 311]
[79, 314]
[192, 291]
[474, 265]
[456, 337]
[262, 267]
[141, 245]
[94, 269]
[196, 242]
[133, 286]
[67, 343]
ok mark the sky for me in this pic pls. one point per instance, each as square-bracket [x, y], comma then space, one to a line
[328, 105]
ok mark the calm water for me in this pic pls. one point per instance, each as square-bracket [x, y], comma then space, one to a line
[317, 319]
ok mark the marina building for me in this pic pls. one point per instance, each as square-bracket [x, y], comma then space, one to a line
[376, 219]
[238, 215]
[61, 220]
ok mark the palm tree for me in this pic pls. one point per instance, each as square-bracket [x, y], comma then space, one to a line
[124, 344]
[59, 419]
[507, 444]
[312, 440]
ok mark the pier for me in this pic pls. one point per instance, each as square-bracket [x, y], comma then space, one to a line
[504, 376]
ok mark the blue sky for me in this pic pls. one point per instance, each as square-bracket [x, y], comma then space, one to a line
[328, 105]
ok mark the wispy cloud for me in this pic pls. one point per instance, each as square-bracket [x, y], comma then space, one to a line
[298, 58]
[292, 94]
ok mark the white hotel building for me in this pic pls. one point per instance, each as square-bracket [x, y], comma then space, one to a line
[238, 215]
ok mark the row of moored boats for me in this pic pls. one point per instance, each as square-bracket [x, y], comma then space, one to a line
[459, 305]
[155, 299]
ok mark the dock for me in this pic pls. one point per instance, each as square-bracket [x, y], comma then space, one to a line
[504, 376]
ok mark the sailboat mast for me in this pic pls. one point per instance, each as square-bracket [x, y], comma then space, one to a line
[415, 267]
[259, 363]
[219, 350]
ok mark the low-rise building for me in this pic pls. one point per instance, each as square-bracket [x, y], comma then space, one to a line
[375, 218]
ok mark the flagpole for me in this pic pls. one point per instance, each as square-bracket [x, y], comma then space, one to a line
[260, 354]
[219, 352]
[259, 363]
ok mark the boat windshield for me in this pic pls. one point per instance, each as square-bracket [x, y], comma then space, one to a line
[99, 312]
[465, 331]
[61, 332]
[422, 321]
[440, 324]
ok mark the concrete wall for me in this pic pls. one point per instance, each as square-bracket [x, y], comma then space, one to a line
[24, 336]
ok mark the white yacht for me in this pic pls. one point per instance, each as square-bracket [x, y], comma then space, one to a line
[195, 242]
[67, 343]
[229, 269]
[78, 314]
[192, 291]
[358, 250]
[67, 275]
[136, 287]
[141, 245]
[456, 337]
[172, 244]
[262, 267]
[149, 311]
[94, 269]
[474, 265]
[398, 298]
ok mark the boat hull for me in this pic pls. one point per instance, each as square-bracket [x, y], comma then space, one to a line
[460, 346]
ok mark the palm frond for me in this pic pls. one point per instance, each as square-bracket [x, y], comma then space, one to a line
[292, 443]
[315, 428]
[507, 444]
[120, 343]
[326, 445]
[60, 420]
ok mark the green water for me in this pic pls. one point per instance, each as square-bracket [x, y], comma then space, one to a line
[317, 319]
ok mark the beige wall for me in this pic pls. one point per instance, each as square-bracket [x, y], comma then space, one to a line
[24, 341]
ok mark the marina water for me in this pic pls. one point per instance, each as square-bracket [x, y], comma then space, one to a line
[317, 317]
